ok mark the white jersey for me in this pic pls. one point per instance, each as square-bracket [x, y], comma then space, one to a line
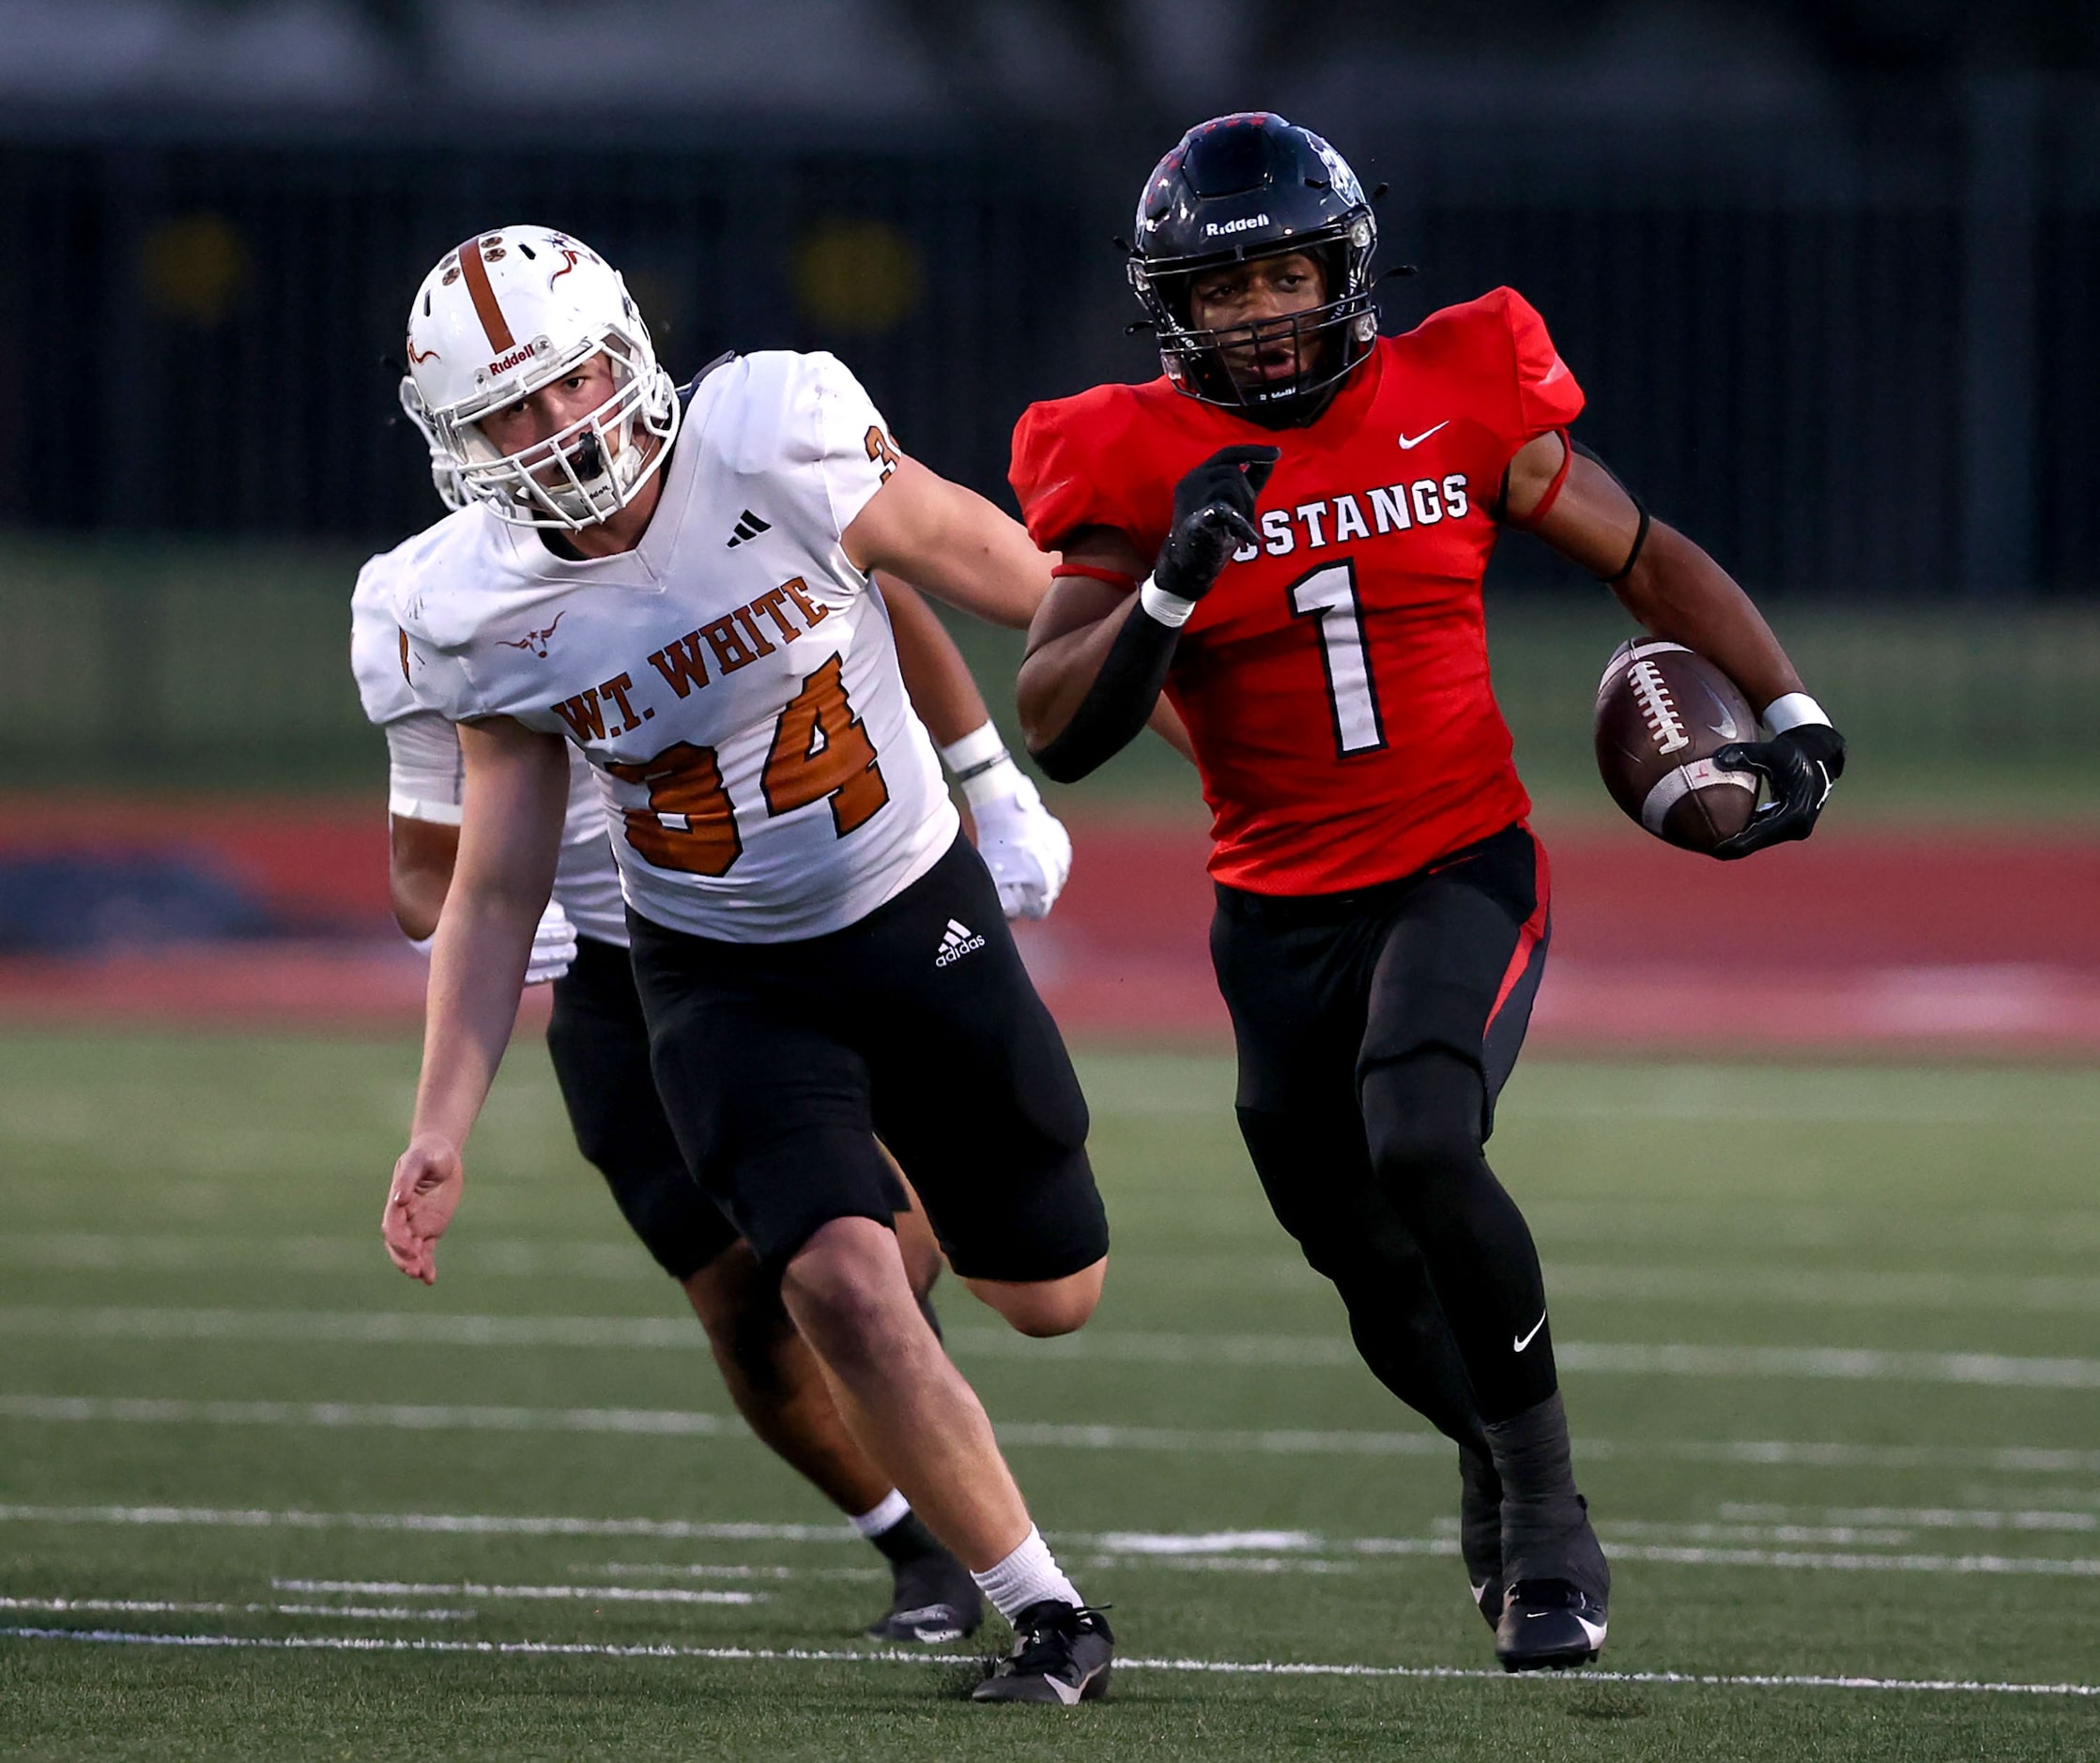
[732, 680]
[425, 773]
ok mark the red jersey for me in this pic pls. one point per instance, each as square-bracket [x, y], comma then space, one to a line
[1334, 681]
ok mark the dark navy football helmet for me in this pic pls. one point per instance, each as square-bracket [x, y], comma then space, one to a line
[1245, 186]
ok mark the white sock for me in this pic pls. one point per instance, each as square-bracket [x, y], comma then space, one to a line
[892, 1510]
[1029, 1576]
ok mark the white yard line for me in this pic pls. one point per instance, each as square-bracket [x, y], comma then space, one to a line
[348, 1327]
[468, 1588]
[440, 1524]
[408, 1417]
[1208, 1667]
[622, 1263]
[1710, 1287]
[1200, 1551]
[1848, 1364]
[156, 1607]
[1922, 1517]
[677, 1423]
[1639, 1358]
[722, 1569]
[112, 1251]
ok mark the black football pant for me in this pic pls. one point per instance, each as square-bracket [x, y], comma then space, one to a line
[1376, 1029]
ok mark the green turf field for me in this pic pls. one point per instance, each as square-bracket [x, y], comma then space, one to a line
[1832, 1340]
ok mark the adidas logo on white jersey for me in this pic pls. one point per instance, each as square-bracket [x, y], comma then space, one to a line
[958, 942]
[748, 527]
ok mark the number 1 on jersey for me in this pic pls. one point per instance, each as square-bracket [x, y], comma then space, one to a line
[1329, 595]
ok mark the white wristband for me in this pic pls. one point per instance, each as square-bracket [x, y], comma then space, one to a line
[979, 747]
[1170, 609]
[1792, 712]
[981, 764]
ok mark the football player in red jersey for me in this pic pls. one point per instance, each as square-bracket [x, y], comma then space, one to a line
[1311, 508]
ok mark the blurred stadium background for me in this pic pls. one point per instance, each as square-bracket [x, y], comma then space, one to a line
[1827, 269]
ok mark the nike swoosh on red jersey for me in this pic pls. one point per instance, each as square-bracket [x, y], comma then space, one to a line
[1408, 442]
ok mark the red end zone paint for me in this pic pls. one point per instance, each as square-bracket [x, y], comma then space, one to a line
[1974, 939]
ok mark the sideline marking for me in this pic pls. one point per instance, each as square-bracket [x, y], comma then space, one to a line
[1212, 1667]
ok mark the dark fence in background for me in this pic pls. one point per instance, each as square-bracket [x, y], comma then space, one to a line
[1853, 354]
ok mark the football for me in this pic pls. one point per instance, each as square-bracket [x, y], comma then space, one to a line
[1662, 715]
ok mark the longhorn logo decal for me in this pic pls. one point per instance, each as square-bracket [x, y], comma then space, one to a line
[536, 640]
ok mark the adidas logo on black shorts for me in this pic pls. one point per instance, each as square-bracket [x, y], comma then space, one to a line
[958, 942]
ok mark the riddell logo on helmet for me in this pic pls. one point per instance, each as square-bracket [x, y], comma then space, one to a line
[1248, 225]
[503, 364]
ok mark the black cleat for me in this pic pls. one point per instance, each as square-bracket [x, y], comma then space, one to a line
[1480, 1531]
[1549, 1625]
[1061, 1654]
[934, 1601]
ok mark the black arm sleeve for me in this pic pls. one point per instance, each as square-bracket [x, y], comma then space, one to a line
[1117, 705]
[1640, 532]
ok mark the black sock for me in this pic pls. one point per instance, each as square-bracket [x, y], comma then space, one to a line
[908, 1540]
[1545, 1521]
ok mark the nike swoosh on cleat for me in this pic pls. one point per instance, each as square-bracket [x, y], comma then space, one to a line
[1069, 1693]
[1594, 1629]
[1409, 442]
[1524, 1341]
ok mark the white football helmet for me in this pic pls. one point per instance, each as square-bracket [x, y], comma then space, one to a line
[504, 314]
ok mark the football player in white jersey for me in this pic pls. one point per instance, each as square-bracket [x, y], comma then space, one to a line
[682, 591]
[599, 1045]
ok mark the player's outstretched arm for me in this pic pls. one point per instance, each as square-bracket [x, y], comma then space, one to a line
[1682, 595]
[516, 794]
[950, 543]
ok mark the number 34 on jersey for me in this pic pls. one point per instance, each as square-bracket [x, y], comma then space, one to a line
[820, 749]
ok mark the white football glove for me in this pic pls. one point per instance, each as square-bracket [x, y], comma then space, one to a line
[553, 946]
[1023, 844]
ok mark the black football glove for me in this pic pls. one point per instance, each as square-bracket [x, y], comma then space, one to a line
[1799, 766]
[1214, 516]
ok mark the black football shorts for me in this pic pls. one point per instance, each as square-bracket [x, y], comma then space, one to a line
[1323, 986]
[781, 1063]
